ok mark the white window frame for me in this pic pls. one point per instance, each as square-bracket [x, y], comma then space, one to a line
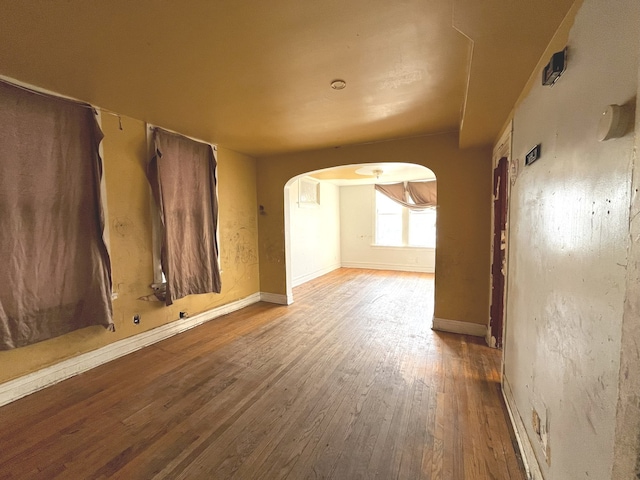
[406, 225]
[403, 220]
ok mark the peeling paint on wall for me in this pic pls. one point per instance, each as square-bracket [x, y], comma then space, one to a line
[568, 247]
[627, 446]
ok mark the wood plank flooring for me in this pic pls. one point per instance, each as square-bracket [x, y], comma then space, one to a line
[349, 382]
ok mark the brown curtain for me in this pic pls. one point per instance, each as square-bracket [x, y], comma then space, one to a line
[424, 194]
[413, 195]
[395, 191]
[55, 274]
[182, 178]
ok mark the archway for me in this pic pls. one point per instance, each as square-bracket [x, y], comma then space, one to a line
[311, 217]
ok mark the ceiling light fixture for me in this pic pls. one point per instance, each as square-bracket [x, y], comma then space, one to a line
[338, 84]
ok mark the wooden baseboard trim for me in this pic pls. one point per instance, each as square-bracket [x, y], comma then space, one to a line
[456, 326]
[276, 298]
[27, 384]
[389, 266]
[531, 466]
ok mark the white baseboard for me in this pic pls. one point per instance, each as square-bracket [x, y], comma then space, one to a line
[490, 339]
[27, 384]
[390, 266]
[310, 276]
[456, 326]
[531, 466]
[277, 298]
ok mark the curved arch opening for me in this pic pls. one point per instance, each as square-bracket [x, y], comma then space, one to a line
[335, 217]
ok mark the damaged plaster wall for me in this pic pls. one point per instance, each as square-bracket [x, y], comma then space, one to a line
[569, 229]
[627, 446]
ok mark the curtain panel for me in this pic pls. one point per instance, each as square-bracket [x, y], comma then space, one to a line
[423, 194]
[183, 182]
[413, 195]
[56, 273]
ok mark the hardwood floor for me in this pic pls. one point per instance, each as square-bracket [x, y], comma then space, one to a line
[349, 382]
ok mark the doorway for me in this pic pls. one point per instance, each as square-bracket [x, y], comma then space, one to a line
[330, 222]
[499, 244]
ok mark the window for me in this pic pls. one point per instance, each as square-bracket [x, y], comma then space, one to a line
[308, 192]
[398, 226]
[389, 221]
[182, 174]
[57, 275]
[422, 228]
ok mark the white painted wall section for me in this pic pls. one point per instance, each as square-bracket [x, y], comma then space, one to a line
[627, 445]
[357, 217]
[569, 234]
[315, 234]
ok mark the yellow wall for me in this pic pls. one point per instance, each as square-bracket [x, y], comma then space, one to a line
[125, 156]
[464, 199]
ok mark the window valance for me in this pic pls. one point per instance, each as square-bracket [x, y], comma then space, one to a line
[413, 195]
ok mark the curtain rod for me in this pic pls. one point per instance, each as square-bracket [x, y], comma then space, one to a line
[60, 97]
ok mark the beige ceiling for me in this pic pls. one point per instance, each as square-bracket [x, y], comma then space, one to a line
[368, 173]
[254, 76]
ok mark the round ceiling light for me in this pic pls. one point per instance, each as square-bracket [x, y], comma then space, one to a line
[338, 84]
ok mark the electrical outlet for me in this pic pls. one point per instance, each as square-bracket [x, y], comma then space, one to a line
[136, 319]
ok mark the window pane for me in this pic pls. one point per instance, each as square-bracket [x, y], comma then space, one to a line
[385, 205]
[422, 228]
[388, 221]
